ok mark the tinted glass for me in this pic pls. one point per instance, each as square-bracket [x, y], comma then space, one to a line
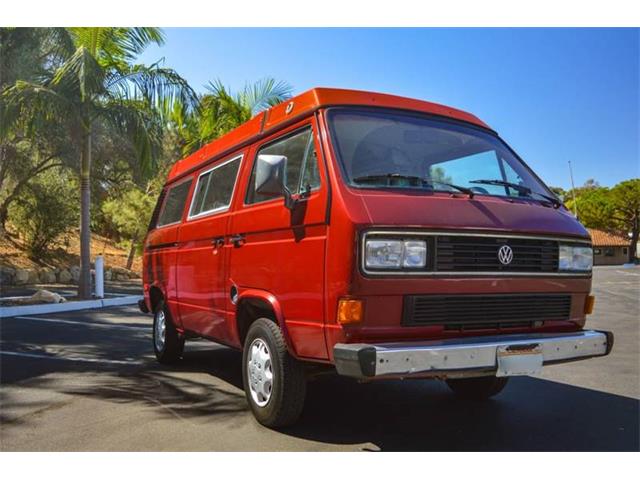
[221, 185]
[386, 149]
[174, 205]
[302, 164]
[215, 188]
[201, 190]
[463, 170]
[311, 174]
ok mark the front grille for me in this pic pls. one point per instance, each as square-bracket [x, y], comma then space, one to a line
[480, 254]
[484, 311]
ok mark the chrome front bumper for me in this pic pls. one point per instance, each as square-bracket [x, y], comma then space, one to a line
[460, 357]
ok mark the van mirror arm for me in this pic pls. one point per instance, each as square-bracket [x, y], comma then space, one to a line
[289, 201]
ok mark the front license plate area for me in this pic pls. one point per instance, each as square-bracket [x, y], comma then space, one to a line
[516, 360]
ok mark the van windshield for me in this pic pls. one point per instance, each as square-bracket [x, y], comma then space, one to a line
[385, 149]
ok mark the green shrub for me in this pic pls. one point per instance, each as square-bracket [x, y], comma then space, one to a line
[47, 208]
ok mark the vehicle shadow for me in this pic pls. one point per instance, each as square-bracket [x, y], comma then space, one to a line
[417, 415]
[531, 414]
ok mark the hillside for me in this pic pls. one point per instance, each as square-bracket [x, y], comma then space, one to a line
[65, 252]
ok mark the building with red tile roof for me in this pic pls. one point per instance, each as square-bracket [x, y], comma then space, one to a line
[609, 248]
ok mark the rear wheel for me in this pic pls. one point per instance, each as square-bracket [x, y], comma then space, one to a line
[274, 381]
[168, 344]
[477, 388]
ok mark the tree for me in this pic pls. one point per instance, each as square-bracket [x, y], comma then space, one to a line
[44, 211]
[625, 203]
[130, 214]
[221, 111]
[98, 82]
[614, 209]
[25, 153]
[594, 207]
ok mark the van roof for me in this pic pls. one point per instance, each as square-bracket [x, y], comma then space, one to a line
[301, 105]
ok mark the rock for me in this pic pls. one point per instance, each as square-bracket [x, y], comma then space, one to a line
[108, 275]
[21, 277]
[75, 273]
[64, 276]
[41, 296]
[48, 276]
[7, 275]
[45, 296]
[33, 277]
[121, 277]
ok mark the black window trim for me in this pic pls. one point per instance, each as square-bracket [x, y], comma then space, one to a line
[296, 131]
[166, 197]
[225, 208]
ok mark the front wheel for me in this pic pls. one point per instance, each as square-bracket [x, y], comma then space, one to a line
[274, 381]
[477, 388]
[168, 344]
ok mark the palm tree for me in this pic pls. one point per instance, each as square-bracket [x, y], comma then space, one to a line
[99, 83]
[221, 111]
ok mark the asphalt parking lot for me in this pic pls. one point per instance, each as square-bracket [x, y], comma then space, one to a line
[88, 381]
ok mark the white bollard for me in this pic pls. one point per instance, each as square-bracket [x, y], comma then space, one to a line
[99, 277]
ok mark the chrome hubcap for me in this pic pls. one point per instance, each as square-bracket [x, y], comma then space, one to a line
[260, 372]
[160, 331]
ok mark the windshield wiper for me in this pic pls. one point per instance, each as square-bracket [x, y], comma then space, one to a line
[521, 189]
[466, 190]
[428, 181]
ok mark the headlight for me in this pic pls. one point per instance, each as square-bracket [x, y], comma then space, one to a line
[395, 254]
[575, 258]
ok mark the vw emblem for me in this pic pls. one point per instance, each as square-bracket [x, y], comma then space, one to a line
[505, 254]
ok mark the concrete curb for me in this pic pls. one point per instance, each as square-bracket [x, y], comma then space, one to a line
[21, 310]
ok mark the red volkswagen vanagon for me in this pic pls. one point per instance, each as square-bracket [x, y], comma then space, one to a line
[378, 236]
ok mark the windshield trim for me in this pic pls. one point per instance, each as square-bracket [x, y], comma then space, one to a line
[440, 118]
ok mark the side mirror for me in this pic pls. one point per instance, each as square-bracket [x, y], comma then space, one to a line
[271, 171]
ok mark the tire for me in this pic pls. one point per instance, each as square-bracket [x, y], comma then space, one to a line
[274, 381]
[477, 388]
[169, 349]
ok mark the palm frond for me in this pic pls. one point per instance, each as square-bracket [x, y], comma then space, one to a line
[265, 93]
[156, 84]
[137, 121]
[81, 74]
[30, 106]
[116, 45]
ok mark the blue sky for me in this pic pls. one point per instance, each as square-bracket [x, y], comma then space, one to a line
[553, 94]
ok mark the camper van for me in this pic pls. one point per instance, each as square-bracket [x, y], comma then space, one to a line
[371, 236]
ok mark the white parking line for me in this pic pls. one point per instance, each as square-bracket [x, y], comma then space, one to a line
[75, 322]
[70, 359]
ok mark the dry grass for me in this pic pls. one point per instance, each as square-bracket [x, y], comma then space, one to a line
[65, 252]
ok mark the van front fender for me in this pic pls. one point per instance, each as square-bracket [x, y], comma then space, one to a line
[266, 298]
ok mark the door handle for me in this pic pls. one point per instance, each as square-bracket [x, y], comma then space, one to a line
[237, 240]
[218, 242]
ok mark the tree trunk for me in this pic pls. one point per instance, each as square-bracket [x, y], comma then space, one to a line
[132, 252]
[635, 234]
[84, 287]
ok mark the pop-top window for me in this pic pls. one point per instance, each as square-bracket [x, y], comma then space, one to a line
[174, 205]
[302, 173]
[215, 188]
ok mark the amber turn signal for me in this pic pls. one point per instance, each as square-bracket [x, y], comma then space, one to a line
[350, 311]
[589, 303]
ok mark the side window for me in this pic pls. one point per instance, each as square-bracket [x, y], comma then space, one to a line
[302, 164]
[310, 172]
[215, 188]
[174, 205]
